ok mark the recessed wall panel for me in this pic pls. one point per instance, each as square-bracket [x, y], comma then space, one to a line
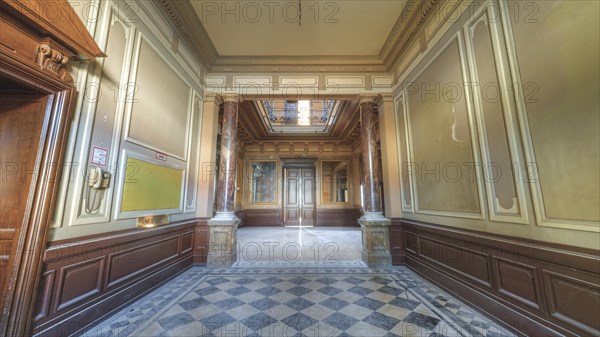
[557, 47]
[406, 168]
[149, 186]
[498, 170]
[159, 114]
[444, 167]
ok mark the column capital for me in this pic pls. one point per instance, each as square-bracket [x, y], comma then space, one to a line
[367, 98]
[212, 97]
[384, 97]
[230, 98]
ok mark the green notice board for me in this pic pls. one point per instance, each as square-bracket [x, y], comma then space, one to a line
[150, 186]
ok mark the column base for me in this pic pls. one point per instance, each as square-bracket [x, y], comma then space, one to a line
[376, 242]
[222, 242]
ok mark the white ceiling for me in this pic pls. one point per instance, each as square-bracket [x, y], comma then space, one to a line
[343, 27]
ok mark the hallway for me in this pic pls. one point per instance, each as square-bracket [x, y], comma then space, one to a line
[295, 246]
[276, 301]
[219, 168]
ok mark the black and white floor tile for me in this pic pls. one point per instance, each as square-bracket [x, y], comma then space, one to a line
[299, 301]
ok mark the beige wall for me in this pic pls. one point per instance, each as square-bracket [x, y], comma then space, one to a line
[143, 101]
[527, 81]
[561, 106]
[533, 114]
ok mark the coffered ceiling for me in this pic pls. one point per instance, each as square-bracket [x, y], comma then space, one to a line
[257, 130]
[345, 130]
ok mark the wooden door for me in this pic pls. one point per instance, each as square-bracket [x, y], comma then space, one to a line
[307, 193]
[299, 196]
[36, 98]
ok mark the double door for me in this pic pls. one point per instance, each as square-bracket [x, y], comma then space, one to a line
[299, 196]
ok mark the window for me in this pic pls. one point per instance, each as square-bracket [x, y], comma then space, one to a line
[334, 181]
[263, 181]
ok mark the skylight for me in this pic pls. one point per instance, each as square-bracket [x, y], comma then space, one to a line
[298, 116]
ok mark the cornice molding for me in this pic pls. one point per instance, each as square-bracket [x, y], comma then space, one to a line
[410, 23]
[331, 68]
[186, 22]
[300, 60]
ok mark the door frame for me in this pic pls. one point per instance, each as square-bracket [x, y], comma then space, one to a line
[307, 163]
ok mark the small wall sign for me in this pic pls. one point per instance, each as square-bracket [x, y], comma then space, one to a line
[152, 221]
[161, 156]
[99, 156]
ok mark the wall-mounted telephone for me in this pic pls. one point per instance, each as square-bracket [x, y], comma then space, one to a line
[98, 180]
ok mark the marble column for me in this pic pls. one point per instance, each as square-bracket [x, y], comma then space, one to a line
[375, 227]
[223, 226]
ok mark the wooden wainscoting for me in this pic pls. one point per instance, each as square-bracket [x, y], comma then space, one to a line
[201, 235]
[337, 217]
[538, 288]
[396, 242]
[263, 217]
[242, 216]
[86, 279]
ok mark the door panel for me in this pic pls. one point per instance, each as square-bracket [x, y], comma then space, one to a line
[307, 201]
[291, 202]
[299, 196]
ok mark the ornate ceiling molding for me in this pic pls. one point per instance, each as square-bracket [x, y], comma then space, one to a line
[407, 28]
[409, 25]
[185, 21]
[292, 68]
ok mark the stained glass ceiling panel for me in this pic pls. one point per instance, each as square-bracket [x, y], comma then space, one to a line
[298, 116]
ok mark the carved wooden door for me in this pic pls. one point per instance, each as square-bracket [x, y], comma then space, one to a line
[299, 196]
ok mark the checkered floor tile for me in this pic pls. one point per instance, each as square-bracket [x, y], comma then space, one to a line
[308, 302]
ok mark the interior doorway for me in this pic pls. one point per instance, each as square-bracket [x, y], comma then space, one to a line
[299, 195]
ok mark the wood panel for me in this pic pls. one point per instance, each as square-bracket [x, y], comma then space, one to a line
[37, 96]
[518, 281]
[291, 197]
[133, 261]
[308, 197]
[42, 305]
[242, 216]
[396, 242]
[21, 121]
[334, 217]
[79, 281]
[533, 288]
[200, 243]
[573, 301]
[187, 242]
[263, 217]
[466, 262]
[98, 274]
